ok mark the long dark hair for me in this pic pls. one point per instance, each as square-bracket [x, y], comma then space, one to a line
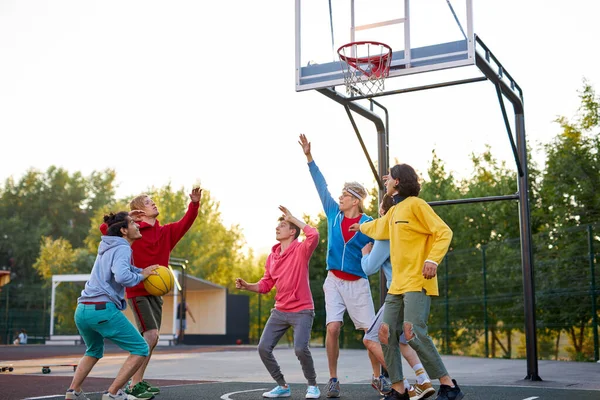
[409, 181]
[115, 222]
[386, 203]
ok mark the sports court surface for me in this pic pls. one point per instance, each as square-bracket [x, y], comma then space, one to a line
[236, 373]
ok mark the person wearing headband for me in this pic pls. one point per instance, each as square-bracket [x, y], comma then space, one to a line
[346, 286]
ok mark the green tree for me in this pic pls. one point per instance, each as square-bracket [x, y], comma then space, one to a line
[570, 198]
[55, 204]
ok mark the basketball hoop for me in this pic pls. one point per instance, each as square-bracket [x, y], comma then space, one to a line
[366, 63]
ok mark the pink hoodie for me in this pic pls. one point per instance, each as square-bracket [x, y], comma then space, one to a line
[288, 272]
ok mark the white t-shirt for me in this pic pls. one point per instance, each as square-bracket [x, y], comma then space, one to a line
[22, 338]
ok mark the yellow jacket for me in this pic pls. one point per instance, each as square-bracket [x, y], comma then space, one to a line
[416, 234]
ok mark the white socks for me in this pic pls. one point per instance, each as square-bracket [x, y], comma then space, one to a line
[421, 374]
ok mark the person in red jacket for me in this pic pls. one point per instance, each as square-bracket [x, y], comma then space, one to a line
[153, 248]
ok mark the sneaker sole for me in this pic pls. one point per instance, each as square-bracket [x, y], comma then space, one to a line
[132, 397]
[423, 395]
[379, 391]
[278, 396]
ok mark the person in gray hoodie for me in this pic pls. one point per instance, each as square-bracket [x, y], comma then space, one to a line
[99, 310]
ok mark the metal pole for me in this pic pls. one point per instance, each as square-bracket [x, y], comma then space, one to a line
[52, 304]
[383, 140]
[447, 330]
[527, 253]
[182, 307]
[593, 289]
[259, 319]
[485, 313]
[6, 316]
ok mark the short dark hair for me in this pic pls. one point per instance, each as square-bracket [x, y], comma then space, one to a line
[292, 225]
[115, 222]
[409, 181]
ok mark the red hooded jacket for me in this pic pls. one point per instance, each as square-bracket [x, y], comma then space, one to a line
[156, 244]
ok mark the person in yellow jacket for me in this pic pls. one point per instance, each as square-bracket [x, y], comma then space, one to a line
[419, 240]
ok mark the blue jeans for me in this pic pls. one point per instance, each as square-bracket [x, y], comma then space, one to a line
[95, 325]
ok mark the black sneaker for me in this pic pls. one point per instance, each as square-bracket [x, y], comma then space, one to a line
[450, 393]
[393, 395]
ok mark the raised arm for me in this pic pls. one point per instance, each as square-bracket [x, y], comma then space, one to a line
[305, 147]
[287, 215]
[312, 235]
[179, 228]
[330, 206]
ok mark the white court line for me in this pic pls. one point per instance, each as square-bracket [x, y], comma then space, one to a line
[44, 397]
[226, 396]
[532, 398]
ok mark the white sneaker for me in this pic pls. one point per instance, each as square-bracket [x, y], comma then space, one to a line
[73, 395]
[313, 392]
[278, 391]
[121, 395]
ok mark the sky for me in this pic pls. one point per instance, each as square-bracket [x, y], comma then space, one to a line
[192, 91]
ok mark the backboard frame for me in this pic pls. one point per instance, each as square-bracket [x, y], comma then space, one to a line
[405, 61]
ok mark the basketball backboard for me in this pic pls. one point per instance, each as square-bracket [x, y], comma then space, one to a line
[425, 35]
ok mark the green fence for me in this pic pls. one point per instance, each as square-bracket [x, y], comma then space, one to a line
[479, 311]
[480, 308]
[24, 307]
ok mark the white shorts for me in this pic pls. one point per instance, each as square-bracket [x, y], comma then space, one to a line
[373, 332]
[354, 296]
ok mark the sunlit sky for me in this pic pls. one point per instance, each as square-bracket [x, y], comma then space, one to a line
[186, 91]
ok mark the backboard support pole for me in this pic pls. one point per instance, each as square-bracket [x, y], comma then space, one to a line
[498, 76]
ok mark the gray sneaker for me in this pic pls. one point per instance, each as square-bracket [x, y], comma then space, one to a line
[382, 384]
[73, 395]
[333, 388]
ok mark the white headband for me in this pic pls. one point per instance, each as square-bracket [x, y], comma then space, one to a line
[354, 193]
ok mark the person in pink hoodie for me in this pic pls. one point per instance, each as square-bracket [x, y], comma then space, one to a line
[286, 268]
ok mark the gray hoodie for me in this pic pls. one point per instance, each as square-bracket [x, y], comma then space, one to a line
[112, 271]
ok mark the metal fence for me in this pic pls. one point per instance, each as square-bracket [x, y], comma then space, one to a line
[479, 311]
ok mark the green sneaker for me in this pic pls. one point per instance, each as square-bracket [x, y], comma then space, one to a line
[150, 388]
[138, 392]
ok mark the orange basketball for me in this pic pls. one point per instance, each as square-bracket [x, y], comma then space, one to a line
[161, 284]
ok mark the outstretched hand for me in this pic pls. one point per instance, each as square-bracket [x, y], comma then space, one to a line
[241, 284]
[196, 195]
[305, 144]
[354, 228]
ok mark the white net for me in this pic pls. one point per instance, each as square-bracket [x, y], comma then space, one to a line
[365, 66]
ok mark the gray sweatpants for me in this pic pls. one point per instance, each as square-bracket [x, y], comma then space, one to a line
[277, 325]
